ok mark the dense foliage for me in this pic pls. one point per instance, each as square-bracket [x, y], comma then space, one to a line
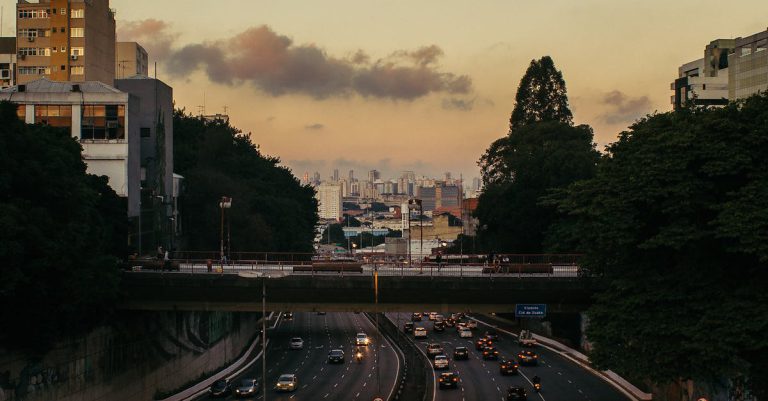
[542, 152]
[541, 96]
[270, 210]
[676, 219]
[61, 231]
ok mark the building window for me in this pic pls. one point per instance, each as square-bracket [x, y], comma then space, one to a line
[63, 11]
[54, 115]
[77, 51]
[76, 32]
[76, 13]
[34, 70]
[77, 70]
[63, 30]
[102, 122]
[27, 14]
[145, 132]
[63, 49]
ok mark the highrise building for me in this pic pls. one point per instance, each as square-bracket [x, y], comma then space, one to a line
[748, 66]
[374, 175]
[329, 201]
[131, 59]
[65, 40]
[335, 175]
[351, 175]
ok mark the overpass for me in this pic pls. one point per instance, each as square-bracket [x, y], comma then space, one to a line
[241, 290]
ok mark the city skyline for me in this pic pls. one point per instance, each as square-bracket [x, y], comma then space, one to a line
[617, 60]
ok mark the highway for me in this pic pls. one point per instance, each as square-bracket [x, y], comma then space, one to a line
[318, 380]
[481, 380]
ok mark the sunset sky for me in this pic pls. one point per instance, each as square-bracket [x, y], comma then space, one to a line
[415, 85]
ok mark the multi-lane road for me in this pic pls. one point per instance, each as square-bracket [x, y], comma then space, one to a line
[375, 375]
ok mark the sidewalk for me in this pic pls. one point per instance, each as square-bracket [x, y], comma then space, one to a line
[582, 360]
[230, 371]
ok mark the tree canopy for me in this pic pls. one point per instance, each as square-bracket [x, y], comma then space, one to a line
[541, 96]
[676, 219]
[61, 231]
[271, 210]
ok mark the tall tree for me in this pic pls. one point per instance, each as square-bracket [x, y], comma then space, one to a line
[541, 96]
[270, 211]
[676, 219]
[61, 231]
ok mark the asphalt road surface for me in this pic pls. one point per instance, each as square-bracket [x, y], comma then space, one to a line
[374, 376]
[561, 379]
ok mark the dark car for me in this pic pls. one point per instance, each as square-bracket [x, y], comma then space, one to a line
[515, 393]
[416, 317]
[460, 353]
[336, 356]
[408, 327]
[450, 322]
[288, 315]
[438, 326]
[220, 388]
[527, 357]
[482, 342]
[492, 335]
[508, 366]
[490, 353]
[448, 380]
[247, 388]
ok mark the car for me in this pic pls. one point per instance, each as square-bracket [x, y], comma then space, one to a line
[450, 322]
[416, 317]
[247, 388]
[492, 335]
[336, 356]
[288, 315]
[432, 316]
[408, 327]
[472, 324]
[362, 339]
[516, 393]
[419, 332]
[438, 326]
[461, 325]
[297, 343]
[460, 353]
[441, 362]
[482, 342]
[508, 366]
[457, 316]
[287, 382]
[465, 333]
[448, 380]
[434, 349]
[526, 357]
[220, 388]
[490, 353]
[439, 317]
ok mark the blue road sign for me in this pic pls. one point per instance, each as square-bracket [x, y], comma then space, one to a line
[530, 310]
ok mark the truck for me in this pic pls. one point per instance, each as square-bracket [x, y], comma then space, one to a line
[526, 339]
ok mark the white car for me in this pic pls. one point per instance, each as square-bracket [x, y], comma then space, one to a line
[297, 343]
[419, 332]
[441, 362]
[472, 324]
[465, 333]
[362, 339]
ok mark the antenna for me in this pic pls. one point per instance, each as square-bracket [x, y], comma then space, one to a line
[226, 108]
[155, 69]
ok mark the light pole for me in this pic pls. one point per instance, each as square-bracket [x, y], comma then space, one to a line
[224, 203]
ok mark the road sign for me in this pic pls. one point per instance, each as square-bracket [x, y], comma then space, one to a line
[530, 310]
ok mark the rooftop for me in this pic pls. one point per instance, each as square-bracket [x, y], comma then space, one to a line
[45, 85]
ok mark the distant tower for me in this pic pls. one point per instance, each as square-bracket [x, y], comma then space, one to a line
[351, 175]
[335, 175]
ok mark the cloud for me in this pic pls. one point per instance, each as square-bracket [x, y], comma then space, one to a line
[623, 109]
[152, 34]
[458, 104]
[275, 65]
[314, 127]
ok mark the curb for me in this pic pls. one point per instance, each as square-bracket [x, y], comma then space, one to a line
[582, 360]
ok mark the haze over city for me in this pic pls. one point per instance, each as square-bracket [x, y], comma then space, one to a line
[318, 83]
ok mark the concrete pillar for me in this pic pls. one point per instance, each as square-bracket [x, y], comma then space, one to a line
[29, 118]
[77, 117]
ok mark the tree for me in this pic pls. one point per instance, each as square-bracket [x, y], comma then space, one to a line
[271, 210]
[541, 96]
[676, 220]
[520, 169]
[61, 231]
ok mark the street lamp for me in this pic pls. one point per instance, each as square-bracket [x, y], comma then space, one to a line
[224, 203]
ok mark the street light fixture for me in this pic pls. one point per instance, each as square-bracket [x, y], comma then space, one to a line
[224, 203]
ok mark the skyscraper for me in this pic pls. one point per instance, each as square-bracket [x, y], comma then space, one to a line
[329, 201]
[65, 40]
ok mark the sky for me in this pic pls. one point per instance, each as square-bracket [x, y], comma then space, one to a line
[415, 85]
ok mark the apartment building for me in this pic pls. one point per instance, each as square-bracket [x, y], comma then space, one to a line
[329, 201]
[65, 40]
[131, 59]
[748, 71]
[7, 62]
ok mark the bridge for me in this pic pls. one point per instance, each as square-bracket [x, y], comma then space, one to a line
[380, 288]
